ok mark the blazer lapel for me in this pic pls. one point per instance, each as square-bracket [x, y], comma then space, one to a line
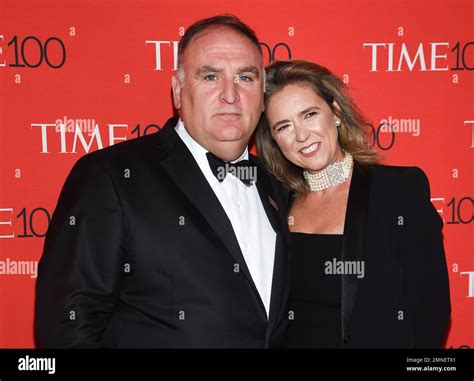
[180, 165]
[355, 229]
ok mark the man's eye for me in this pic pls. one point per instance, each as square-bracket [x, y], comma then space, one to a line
[246, 78]
[310, 114]
[211, 77]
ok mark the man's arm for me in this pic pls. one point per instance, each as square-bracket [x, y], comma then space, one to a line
[82, 264]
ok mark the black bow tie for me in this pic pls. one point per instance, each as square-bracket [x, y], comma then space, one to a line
[243, 169]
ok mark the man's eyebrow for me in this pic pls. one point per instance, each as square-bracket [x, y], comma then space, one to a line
[250, 69]
[208, 69]
[211, 69]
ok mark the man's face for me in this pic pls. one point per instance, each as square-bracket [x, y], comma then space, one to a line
[221, 99]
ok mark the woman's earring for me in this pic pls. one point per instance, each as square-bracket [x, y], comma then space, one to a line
[338, 123]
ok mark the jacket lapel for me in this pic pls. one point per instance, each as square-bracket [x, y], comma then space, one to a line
[274, 209]
[180, 166]
[280, 283]
[267, 196]
[355, 229]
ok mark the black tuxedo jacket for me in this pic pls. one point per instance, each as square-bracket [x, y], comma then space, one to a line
[140, 253]
[403, 300]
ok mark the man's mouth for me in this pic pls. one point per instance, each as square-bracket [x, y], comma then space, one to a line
[229, 115]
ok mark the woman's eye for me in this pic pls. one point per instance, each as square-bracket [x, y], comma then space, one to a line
[281, 128]
[310, 114]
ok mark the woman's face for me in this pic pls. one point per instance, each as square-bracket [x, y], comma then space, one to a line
[304, 127]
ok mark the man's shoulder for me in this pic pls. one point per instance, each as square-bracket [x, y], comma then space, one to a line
[277, 186]
[126, 147]
[262, 171]
[130, 149]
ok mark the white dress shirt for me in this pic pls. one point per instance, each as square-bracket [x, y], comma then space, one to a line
[244, 208]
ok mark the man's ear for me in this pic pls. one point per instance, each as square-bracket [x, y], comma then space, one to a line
[176, 86]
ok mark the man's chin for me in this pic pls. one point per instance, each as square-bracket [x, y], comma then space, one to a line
[230, 134]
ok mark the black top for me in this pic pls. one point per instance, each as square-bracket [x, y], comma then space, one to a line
[316, 291]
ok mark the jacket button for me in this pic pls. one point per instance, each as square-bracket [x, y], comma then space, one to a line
[347, 339]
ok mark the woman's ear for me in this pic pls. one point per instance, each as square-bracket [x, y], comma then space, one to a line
[336, 109]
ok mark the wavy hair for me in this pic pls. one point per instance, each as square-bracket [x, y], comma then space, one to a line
[353, 135]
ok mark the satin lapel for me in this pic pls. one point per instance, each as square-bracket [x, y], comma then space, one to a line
[272, 205]
[185, 172]
[355, 229]
[267, 196]
[279, 281]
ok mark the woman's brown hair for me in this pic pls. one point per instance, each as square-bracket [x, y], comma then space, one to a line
[352, 135]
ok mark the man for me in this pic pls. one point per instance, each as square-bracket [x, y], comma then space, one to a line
[158, 241]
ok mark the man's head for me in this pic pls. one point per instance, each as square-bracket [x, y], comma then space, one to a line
[218, 88]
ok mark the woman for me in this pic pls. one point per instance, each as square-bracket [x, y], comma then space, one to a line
[368, 265]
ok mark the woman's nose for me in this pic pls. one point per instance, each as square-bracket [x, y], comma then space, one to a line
[301, 133]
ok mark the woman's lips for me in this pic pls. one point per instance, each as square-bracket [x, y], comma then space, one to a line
[310, 150]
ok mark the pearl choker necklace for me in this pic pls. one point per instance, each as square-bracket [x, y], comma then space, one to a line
[334, 174]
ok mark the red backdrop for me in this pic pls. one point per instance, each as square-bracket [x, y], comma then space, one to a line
[103, 68]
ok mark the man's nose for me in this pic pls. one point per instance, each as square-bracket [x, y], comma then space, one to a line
[229, 92]
[301, 133]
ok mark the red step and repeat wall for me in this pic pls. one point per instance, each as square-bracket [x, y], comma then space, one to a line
[81, 75]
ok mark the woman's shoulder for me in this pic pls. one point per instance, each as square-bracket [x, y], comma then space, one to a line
[397, 170]
[402, 182]
[405, 191]
[401, 175]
